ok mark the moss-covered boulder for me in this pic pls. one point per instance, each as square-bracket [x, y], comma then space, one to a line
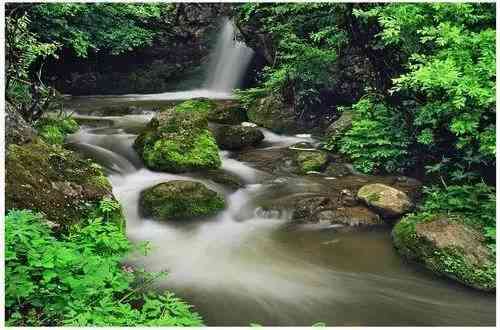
[179, 199]
[227, 112]
[49, 179]
[339, 126]
[271, 112]
[447, 247]
[178, 140]
[235, 137]
[387, 201]
[311, 161]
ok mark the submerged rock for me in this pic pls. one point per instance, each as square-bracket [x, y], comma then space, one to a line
[178, 140]
[387, 201]
[55, 181]
[224, 178]
[356, 216]
[180, 199]
[237, 137]
[228, 112]
[447, 247]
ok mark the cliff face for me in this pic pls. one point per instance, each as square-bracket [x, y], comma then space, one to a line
[179, 49]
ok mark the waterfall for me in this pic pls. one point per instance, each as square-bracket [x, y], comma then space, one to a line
[228, 62]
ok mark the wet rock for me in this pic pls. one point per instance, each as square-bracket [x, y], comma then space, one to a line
[178, 140]
[447, 247]
[341, 125]
[17, 130]
[224, 178]
[356, 216]
[311, 161]
[336, 169]
[308, 208]
[237, 137]
[387, 201]
[55, 181]
[228, 112]
[180, 199]
[270, 112]
[347, 198]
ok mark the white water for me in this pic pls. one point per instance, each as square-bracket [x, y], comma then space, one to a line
[229, 61]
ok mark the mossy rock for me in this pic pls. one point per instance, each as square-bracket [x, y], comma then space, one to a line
[49, 179]
[447, 246]
[179, 199]
[387, 201]
[235, 137]
[178, 140]
[339, 126]
[308, 161]
[196, 105]
[270, 112]
[227, 112]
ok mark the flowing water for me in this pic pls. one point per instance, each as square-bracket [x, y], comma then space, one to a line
[246, 265]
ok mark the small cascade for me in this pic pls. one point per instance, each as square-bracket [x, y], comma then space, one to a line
[229, 61]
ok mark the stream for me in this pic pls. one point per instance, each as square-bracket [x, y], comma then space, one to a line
[246, 265]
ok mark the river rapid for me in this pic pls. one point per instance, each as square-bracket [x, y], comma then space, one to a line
[246, 265]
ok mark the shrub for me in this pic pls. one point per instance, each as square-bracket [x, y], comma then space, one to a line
[378, 139]
[54, 130]
[76, 279]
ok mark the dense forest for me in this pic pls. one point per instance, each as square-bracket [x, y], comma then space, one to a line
[390, 107]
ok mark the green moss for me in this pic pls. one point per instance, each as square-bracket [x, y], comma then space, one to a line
[198, 105]
[54, 130]
[311, 161]
[52, 180]
[178, 140]
[180, 199]
[448, 261]
[176, 155]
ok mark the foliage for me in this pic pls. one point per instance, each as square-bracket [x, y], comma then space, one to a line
[77, 280]
[378, 139]
[306, 39]
[22, 51]
[476, 203]
[54, 130]
[448, 84]
[85, 28]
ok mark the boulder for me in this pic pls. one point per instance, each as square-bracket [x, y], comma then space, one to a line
[17, 130]
[270, 112]
[308, 161]
[178, 140]
[224, 178]
[179, 199]
[49, 179]
[237, 137]
[339, 126]
[447, 247]
[228, 112]
[356, 216]
[337, 169]
[387, 201]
